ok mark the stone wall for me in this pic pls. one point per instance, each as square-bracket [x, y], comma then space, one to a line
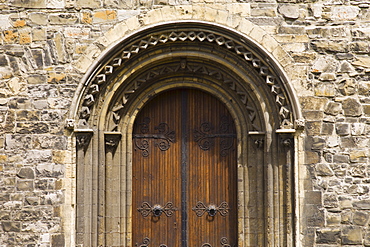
[46, 46]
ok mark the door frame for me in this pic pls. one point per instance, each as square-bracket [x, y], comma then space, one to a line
[104, 126]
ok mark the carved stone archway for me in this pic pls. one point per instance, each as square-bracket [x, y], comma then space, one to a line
[199, 55]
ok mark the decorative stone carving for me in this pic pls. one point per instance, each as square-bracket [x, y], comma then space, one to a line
[83, 139]
[111, 140]
[187, 67]
[70, 124]
[234, 46]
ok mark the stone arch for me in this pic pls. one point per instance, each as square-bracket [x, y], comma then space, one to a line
[226, 63]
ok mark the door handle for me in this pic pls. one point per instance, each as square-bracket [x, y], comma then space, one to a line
[200, 209]
[146, 209]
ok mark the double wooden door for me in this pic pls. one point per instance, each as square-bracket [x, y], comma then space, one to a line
[184, 172]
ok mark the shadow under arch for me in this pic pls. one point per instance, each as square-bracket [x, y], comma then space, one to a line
[218, 60]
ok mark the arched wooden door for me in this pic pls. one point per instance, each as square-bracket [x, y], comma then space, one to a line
[184, 172]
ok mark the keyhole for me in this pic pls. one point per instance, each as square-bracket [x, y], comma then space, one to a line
[157, 210]
[212, 210]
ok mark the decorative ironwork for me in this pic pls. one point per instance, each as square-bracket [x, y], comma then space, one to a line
[212, 209]
[205, 138]
[145, 243]
[146, 209]
[224, 243]
[163, 138]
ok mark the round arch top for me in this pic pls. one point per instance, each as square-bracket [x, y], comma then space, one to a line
[121, 53]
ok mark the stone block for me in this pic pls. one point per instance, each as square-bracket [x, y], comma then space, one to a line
[26, 173]
[11, 226]
[63, 19]
[31, 4]
[358, 170]
[358, 156]
[343, 129]
[340, 158]
[344, 13]
[32, 128]
[362, 61]
[345, 202]
[330, 46]
[43, 91]
[104, 16]
[330, 200]
[314, 197]
[49, 170]
[55, 4]
[38, 18]
[333, 219]
[324, 170]
[290, 11]
[318, 143]
[88, 3]
[263, 12]
[314, 217]
[325, 89]
[313, 128]
[14, 142]
[325, 64]
[363, 204]
[351, 235]
[313, 115]
[327, 129]
[313, 103]
[311, 157]
[360, 218]
[62, 156]
[24, 185]
[358, 129]
[333, 108]
[328, 236]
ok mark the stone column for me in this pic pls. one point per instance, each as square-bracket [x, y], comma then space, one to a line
[112, 189]
[83, 195]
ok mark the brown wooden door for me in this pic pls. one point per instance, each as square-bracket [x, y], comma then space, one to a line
[184, 172]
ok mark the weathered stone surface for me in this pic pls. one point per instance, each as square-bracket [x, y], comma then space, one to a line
[58, 240]
[360, 218]
[28, 4]
[351, 235]
[289, 10]
[323, 170]
[25, 185]
[343, 129]
[26, 172]
[328, 236]
[344, 13]
[10, 226]
[351, 107]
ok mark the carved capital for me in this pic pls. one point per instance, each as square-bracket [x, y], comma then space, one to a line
[111, 140]
[287, 142]
[83, 138]
[259, 143]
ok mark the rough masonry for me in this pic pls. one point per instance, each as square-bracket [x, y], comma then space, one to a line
[46, 47]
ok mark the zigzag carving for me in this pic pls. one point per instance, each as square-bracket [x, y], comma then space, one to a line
[117, 109]
[180, 36]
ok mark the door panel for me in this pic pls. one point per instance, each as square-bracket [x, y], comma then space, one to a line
[196, 172]
[156, 172]
[212, 171]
